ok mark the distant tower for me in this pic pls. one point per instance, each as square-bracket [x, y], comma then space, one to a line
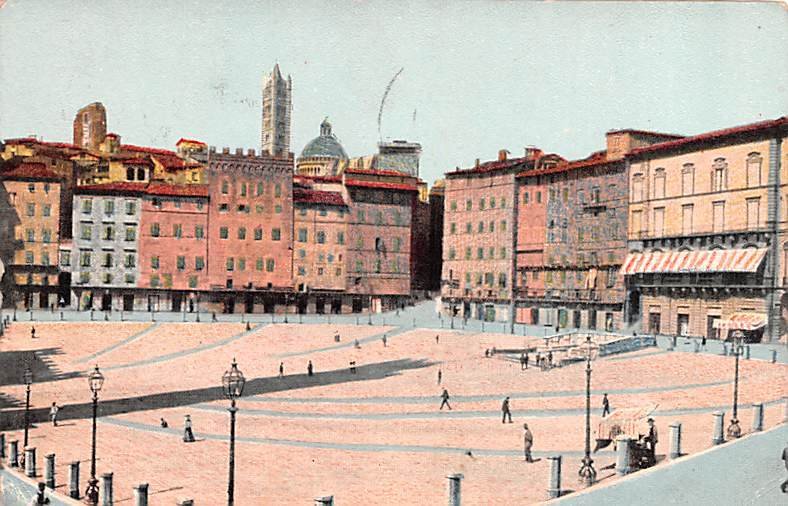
[277, 105]
[90, 126]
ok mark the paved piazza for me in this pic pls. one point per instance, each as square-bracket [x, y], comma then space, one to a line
[376, 437]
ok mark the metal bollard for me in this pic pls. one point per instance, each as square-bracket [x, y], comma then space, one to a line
[106, 480]
[141, 494]
[73, 480]
[623, 455]
[719, 422]
[757, 417]
[774, 356]
[724, 349]
[747, 352]
[675, 440]
[554, 486]
[49, 470]
[324, 501]
[455, 480]
[13, 453]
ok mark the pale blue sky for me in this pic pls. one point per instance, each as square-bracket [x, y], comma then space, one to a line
[481, 75]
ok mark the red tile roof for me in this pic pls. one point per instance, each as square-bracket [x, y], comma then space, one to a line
[381, 185]
[146, 149]
[136, 161]
[490, 166]
[113, 135]
[308, 196]
[173, 163]
[154, 188]
[644, 132]
[33, 140]
[595, 159]
[709, 137]
[190, 141]
[21, 140]
[177, 190]
[29, 171]
[376, 172]
[319, 179]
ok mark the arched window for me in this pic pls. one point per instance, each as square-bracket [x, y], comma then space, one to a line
[129, 173]
[141, 174]
[754, 163]
[637, 187]
[719, 175]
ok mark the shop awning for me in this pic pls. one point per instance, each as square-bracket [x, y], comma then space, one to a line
[742, 321]
[678, 262]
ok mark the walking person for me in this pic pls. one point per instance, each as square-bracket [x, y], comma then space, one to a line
[526, 360]
[605, 406]
[53, 414]
[445, 399]
[506, 411]
[550, 359]
[703, 342]
[528, 442]
[281, 369]
[310, 370]
[336, 336]
[440, 376]
[32, 332]
[437, 338]
[784, 486]
[384, 340]
[522, 361]
[188, 435]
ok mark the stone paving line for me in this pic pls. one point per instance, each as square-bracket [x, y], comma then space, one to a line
[494, 414]
[355, 447]
[119, 344]
[189, 351]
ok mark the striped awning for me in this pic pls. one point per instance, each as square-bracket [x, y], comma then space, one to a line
[718, 260]
[742, 321]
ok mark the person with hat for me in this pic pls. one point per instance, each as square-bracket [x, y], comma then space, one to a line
[652, 439]
[188, 435]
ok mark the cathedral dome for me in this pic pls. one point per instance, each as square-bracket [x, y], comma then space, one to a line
[326, 145]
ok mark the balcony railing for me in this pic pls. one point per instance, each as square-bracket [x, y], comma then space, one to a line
[602, 295]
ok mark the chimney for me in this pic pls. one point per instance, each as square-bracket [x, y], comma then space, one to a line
[502, 155]
[239, 151]
[477, 163]
[212, 149]
[225, 151]
[533, 153]
[250, 152]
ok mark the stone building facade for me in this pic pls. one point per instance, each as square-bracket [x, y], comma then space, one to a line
[90, 126]
[104, 255]
[434, 258]
[707, 221]
[250, 230]
[173, 247]
[319, 249]
[479, 239]
[29, 234]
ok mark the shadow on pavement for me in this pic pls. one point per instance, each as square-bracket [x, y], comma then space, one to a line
[14, 419]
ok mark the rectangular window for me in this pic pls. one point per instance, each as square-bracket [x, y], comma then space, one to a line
[241, 264]
[199, 263]
[84, 259]
[30, 235]
[259, 189]
[637, 187]
[320, 237]
[482, 203]
[65, 258]
[538, 197]
[131, 233]
[177, 231]
[718, 216]
[131, 260]
[131, 207]
[109, 233]
[302, 235]
[468, 253]
[278, 209]
[526, 197]
[481, 227]
[258, 264]
[243, 189]
[468, 228]
[199, 232]
[479, 253]
[453, 228]
[154, 230]
[468, 205]
[47, 210]
[258, 234]
[753, 213]
[340, 238]
[109, 207]
[753, 170]
[453, 205]
[192, 281]
[277, 190]
[180, 263]
[637, 224]
[86, 232]
[129, 278]
[28, 257]
[108, 260]
[276, 234]
[154, 263]
[31, 209]
[225, 187]
[230, 264]
[397, 244]
[301, 270]
[659, 184]
[452, 254]
[686, 218]
[360, 216]
[154, 280]
[269, 265]
[223, 208]
[688, 180]
[659, 221]
[241, 232]
[223, 233]
[87, 206]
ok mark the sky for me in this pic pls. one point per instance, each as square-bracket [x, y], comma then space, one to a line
[478, 76]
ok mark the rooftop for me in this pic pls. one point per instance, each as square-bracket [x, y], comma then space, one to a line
[309, 196]
[29, 171]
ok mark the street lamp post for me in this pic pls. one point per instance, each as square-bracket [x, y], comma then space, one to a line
[587, 473]
[233, 385]
[27, 377]
[287, 305]
[96, 380]
[734, 429]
